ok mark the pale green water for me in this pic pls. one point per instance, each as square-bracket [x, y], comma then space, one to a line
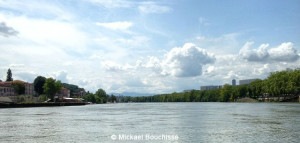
[191, 122]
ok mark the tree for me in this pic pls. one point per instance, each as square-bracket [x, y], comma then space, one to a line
[226, 93]
[9, 75]
[38, 84]
[74, 89]
[51, 87]
[19, 87]
[255, 88]
[89, 98]
[112, 98]
[102, 95]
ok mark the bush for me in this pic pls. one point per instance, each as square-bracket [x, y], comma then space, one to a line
[42, 98]
[21, 98]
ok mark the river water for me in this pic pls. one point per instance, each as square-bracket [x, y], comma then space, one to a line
[153, 122]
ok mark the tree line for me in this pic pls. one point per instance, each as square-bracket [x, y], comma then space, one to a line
[277, 84]
[47, 88]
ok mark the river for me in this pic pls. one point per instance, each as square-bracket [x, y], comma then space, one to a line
[153, 122]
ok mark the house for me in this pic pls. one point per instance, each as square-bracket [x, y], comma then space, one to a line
[6, 89]
[64, 93]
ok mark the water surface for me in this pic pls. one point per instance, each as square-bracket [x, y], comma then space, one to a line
[191, 122]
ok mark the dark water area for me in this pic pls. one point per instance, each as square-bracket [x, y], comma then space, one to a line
[190, 122]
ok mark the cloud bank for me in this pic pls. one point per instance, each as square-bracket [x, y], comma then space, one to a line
[283, 53]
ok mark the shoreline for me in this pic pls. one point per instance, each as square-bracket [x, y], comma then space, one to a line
[23, 105]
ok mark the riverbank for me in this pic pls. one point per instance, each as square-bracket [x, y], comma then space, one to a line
[250, 100]
[21, 105]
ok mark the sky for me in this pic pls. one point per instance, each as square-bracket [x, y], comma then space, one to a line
[152, 47]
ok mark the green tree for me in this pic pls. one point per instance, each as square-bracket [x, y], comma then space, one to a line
[9, 75]
[74, 89]
[256, 88]
[226, 93]
[102, 96]
[89, 98]
[19, 87]
[42, 98]
[38, 84]
[112, 98]
[51, 87]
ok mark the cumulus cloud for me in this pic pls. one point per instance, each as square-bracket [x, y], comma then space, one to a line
[121, 25]
[62, 76]
[151, 7]
[7, 31]
[186, 61]
[259, 54]
[111, 66]
[283, 53]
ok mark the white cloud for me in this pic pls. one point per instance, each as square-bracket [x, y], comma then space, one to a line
[112, 3]
[112, 66]
[283, 53]
[37, 8]
[62, 76]
[151, 7]
[124, 25]
[186, 61]
[259, 54]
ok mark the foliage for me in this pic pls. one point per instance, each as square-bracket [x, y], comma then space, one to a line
[112, 98]
[9, 75]
[89, 98]
[101, 94]
[281, 83]
[19, 87]
[51, 87]
[74, 89]
[43, 98]
[99, 97]
[38, 84]
[20, 98]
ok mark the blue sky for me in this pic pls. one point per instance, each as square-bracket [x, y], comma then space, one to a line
[148, 46]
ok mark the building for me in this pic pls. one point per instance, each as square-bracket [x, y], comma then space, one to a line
[246, 81]
[211, 87]
[65, 92]
[233, 82]
[6, 89]
[29, 89]
[81, 93]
